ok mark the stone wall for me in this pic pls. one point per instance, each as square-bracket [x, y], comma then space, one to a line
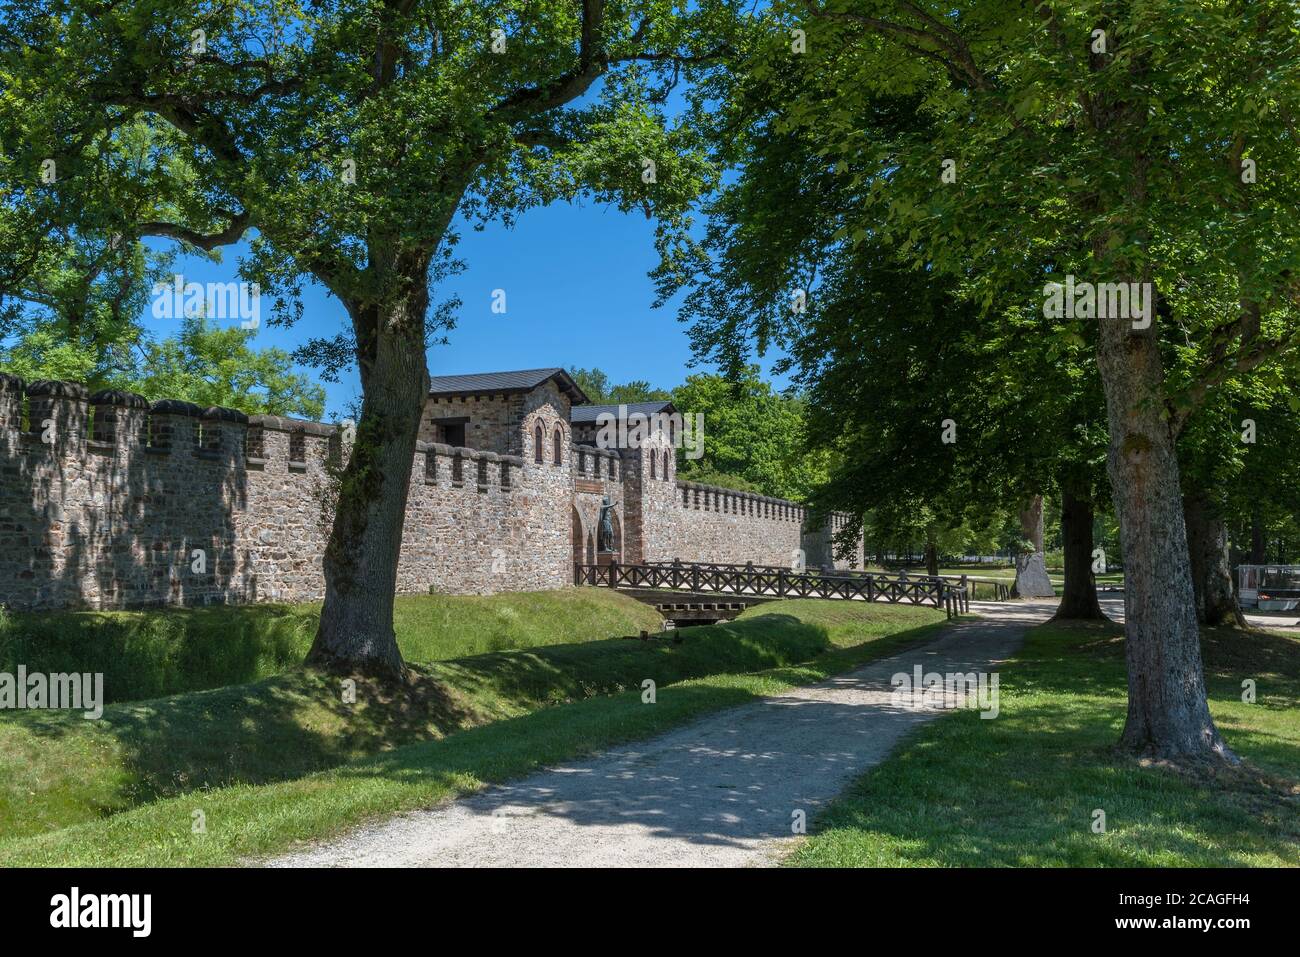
[492, 421]
[108, 501]
[710, 524]
[653, 525]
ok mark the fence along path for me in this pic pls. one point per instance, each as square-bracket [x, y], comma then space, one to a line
[1001, 591]
[776, 582]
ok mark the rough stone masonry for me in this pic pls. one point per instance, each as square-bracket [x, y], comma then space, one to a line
[108, 501]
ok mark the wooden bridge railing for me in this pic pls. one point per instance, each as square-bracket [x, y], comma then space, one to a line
[775, 582]
[1001, 591]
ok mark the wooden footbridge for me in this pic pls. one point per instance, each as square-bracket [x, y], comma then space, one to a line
[702, 583]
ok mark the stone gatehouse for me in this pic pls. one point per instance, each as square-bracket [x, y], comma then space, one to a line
[109, 501]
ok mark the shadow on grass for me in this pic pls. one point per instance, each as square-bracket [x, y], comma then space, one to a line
[297, 723]
[144, 655]
[563, 673]
[745, 794]
[1022, 790]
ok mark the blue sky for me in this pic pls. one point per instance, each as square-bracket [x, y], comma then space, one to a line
[578, 294]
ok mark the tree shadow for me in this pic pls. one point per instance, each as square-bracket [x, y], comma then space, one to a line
[115, 523]
[278, 729]
[562, 673]
[299, 722]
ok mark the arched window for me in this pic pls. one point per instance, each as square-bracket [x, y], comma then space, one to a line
[653, 458]
[665, 465]
[556, 445]
[537, 444]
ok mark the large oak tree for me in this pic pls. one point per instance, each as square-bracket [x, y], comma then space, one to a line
[347, 139]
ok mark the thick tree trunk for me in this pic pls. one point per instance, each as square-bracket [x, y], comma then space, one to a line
[1167, 712]
[1079, 596]
[931, 558]
[356, 623]
[1032, 580]
[1207, 547]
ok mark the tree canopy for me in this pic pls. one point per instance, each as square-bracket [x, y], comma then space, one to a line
[348, 142]
[1142, 156]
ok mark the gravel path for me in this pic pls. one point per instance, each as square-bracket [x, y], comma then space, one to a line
[718, 792]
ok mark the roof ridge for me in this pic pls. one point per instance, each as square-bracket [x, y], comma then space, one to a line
[514, 380]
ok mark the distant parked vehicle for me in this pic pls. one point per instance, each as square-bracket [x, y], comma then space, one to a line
[1269, 587]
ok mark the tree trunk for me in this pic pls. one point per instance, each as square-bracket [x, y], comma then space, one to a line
[1032, 580]
[1257, 552]
[1207, 547]
[931, 558]
[356, 622]
[1167, 712]
[1079, 596]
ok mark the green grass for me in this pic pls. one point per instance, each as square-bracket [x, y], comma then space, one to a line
[284, 759]
[983, 591]
[1008, 575]
[149, 654]
[1020, 789]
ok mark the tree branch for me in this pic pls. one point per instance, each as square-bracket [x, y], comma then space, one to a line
[959, 62]
[1220, 372]
[206, 241]
[528, 101]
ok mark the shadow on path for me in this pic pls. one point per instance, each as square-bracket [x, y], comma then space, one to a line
[723, 791]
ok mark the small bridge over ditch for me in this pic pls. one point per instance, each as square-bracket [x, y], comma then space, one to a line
[706, 591]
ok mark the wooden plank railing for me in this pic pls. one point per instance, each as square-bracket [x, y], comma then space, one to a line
[1000, 590]
[776, 582]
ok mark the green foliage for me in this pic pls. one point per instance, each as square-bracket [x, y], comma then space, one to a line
[753, 437]
[707, 475]
[1253, 485]
[1061, 165]
[601, 391]
[348, 137]
[211, 365]
[203, 363]
[752, 434]
[888, 352]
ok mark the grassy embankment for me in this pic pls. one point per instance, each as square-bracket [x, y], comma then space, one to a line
[149, 654]
[284, 759]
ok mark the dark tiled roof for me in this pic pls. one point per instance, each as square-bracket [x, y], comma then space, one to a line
[586, 415]
[486, 383]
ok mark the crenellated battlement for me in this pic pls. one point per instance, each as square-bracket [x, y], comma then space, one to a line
[725, 501]
[462, 467]
[68, 418]
[590, 461]
[108, 500]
